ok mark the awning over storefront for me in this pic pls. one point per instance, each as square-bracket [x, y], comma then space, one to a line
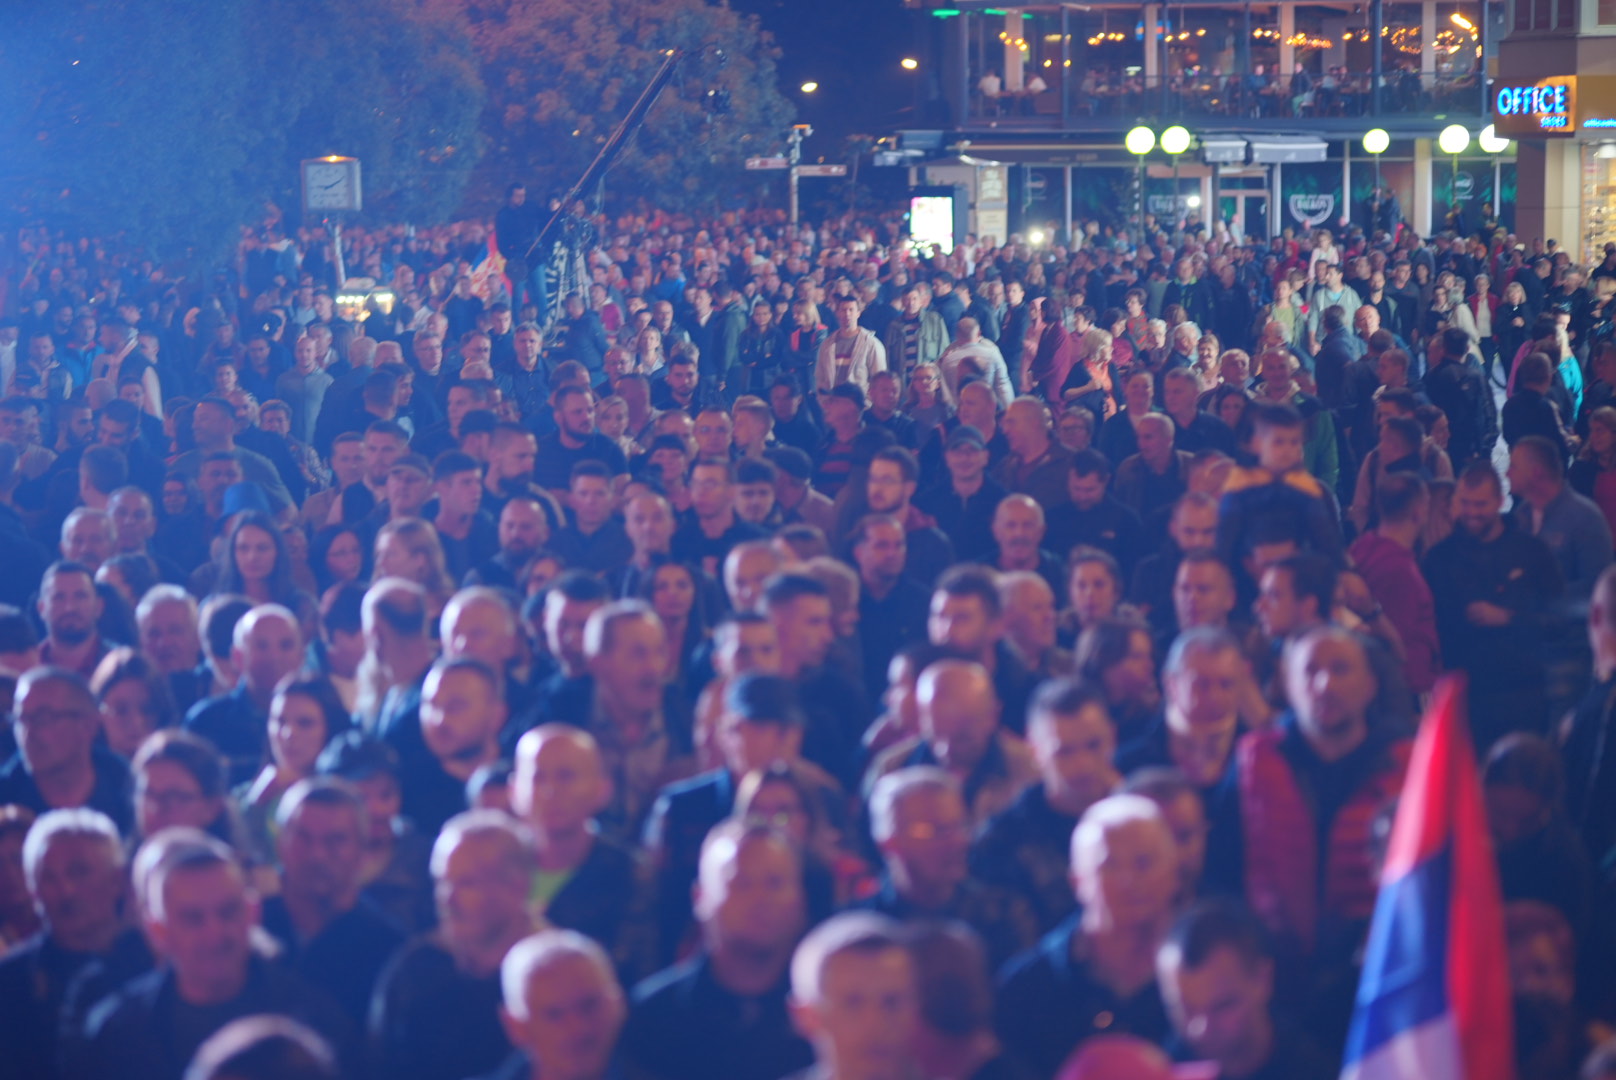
[1223, 150]
[1287, 149]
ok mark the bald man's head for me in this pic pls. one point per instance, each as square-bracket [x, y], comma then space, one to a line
[559, 783]
[959, 711]
[268, 646]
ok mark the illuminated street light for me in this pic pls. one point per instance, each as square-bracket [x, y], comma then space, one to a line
[1376, 141]
[809, 87]
[1455, 138]
[1175, 140]
[1036, 237]
[1489, 141]
[910, 63]
[1140, 141]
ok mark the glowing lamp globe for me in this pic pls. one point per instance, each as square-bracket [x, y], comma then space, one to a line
[1141, 140]
[1455, 139]
[1375, 140]
[1489, 141]
[1175, 140]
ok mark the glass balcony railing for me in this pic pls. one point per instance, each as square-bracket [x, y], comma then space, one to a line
[1232, 97]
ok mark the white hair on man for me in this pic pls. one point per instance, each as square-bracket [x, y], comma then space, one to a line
[537, 953]
[494, 826]
[78, 822]
[158, 595]
[249, 622]
[892, 789]
[1109, 814]
[602, 624]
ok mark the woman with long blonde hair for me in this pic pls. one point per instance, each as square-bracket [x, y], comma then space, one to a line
[409, 548]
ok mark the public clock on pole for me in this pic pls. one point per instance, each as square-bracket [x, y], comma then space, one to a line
[331, 183]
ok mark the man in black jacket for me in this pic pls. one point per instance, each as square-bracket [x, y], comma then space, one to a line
[200, 914]
[516, 226]
[1456, 386]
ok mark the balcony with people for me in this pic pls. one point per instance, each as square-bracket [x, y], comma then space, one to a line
[1272, 65]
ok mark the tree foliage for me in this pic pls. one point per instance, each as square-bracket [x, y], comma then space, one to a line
[175, 121]
[561, 74]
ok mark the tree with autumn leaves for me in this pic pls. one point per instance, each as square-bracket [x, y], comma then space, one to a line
[177, 121]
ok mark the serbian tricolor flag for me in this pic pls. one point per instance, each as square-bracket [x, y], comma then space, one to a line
[488, 276]
[1433, 1000]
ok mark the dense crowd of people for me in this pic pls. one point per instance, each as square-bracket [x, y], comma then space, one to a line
[800, 656]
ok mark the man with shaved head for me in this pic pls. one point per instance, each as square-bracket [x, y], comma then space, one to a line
[1097, 970]
[723, 1011]
[71, 609]
[561, 1007]
[585, 882]
[267, 647]
[960, 733]
[1036, 464]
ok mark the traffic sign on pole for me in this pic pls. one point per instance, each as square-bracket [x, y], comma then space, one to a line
[767, 163]
[821, 170]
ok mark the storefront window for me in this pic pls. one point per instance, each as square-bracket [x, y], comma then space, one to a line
[1598, 199]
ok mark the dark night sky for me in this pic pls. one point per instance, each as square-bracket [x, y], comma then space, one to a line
[852, 48]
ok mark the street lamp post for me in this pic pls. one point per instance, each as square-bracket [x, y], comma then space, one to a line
[1453, 141]
[1140, 141]
[1491, 145]
[1375, 142]
[1175, 140]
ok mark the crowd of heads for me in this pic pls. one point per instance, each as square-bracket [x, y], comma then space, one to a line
[791, 652]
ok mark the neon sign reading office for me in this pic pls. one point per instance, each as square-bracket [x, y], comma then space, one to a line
[1551, 105]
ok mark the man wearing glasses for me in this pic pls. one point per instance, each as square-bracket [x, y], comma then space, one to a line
[57, 765]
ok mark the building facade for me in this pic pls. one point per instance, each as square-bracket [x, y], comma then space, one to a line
[1033, 105]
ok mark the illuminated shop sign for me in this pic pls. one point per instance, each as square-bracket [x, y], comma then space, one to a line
[1548, 107]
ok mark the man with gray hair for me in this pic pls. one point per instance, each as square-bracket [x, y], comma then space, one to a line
[87, 538]
[562, 1009]
[919, 823]
[200, 915]
[74, 864]
[1205, 680]
[436, 1012]
[166, 619]
[1097, 970]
